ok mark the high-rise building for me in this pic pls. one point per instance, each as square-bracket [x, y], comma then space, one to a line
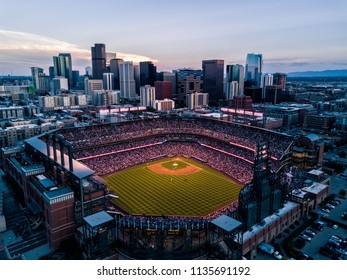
[88, 71]
[169, 77]
[163, 89]
[108, 81]
[147, 96]
[63, 67]
[44, 83]
[35, 71]
[75, 77]
[266, 80]
[197, 100]
[91, 85]
[188, 81]
[127, 81]
[59, 84]
[235, 72]
[109, 57]
[213, 75]
[105, 97]
[137, 78]
[114, 68]
[51, 72]
[280, 79]
[253, 71]
[272, 94]
[98, 60]
[148, 73]
[232, 89]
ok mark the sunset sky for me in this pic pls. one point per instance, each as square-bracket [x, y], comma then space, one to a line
[292, 35]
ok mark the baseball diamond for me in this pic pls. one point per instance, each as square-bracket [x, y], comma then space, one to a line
[172, 187]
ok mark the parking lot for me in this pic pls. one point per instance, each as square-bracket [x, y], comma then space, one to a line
[322, 237]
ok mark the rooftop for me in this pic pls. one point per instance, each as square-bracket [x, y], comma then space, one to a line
[315, 188]
[98, 218]
[226, 223]
[316, 172]
[289, 206]
[47, 183]
[79, 170]
[58, 192]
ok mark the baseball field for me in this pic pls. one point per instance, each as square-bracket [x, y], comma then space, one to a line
[172, 187]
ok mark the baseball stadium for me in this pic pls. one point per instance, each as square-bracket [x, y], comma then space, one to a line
[159, 183]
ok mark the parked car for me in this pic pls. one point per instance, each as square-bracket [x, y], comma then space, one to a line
[335, 226]
[302, 256]
[337, 237]
[310, 233]
[326, 210]
[304, 236]
[334, 202]
[277, 255]
[328, 205]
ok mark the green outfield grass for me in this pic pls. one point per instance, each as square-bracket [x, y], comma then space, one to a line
[142, 191]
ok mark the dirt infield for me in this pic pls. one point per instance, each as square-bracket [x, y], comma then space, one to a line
[159, 169]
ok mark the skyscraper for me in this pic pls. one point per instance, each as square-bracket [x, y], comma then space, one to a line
[91, 85]
[88, 71]
[232, 89]
[63, 67]
[75, 77]
[254, 68]
[59, 84]
[108, 81]
[280, 79]
[137, 77]
[127, 81]
[163, 89]
[114, 68]
[188, 81]
[213, 71]
[235, 73]
[98, 60]
[148, 73]
[35, 71]
[169, 77]
[109, 57]
[266, 80]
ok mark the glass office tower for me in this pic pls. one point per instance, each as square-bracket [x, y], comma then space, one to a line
[254, 67]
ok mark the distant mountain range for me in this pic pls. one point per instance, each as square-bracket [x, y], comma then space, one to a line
[325, 73]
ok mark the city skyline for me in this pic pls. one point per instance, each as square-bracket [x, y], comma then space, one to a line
[291, 35]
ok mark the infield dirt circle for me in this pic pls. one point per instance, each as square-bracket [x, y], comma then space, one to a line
[160, 169]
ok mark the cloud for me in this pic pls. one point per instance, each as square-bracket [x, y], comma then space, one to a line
[21, 50]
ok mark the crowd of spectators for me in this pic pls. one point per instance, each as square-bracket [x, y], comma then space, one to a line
[241, 135]
[232, 166]
[118, 147]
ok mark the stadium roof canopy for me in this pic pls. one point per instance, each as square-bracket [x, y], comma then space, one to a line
[79, 170]
[226, 223]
